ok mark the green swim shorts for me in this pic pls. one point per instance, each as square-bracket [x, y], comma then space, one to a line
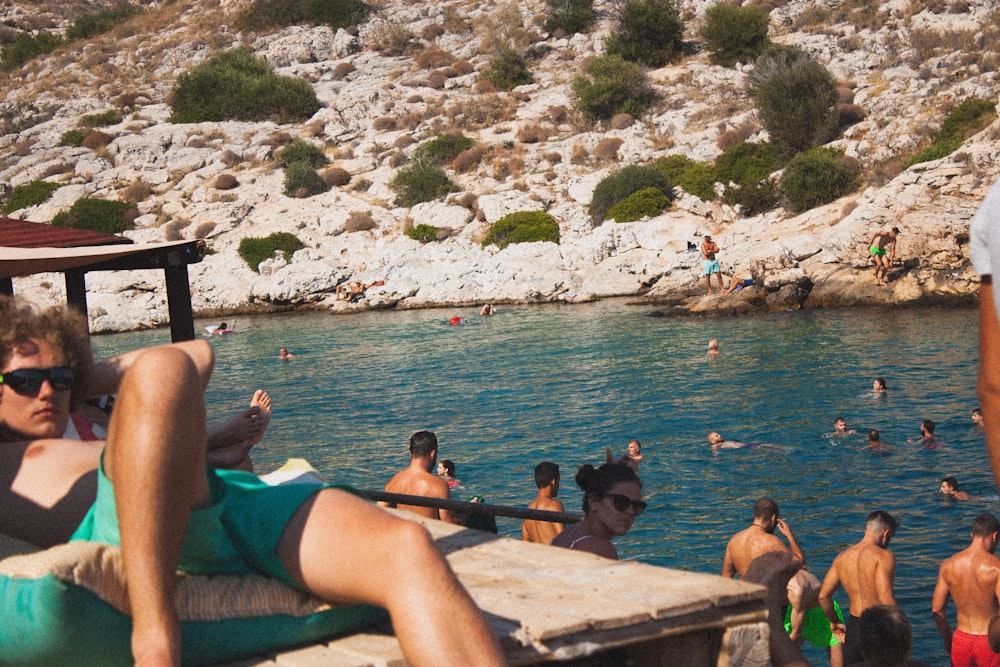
[875, 250]
[237, 534]
[816, 626]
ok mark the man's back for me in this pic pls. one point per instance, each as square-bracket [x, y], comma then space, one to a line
[745, 546]
[972, 576]
[415, 482]
[866, 572]
[542, 532]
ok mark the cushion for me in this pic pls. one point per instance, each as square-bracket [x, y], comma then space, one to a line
[69, 605]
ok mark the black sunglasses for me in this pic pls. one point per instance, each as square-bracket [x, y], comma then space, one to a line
[622, 503]
[28, 381]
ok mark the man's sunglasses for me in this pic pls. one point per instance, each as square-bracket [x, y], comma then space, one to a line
[622, 503]
[28, 381]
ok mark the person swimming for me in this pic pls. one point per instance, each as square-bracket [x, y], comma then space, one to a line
[718, 443]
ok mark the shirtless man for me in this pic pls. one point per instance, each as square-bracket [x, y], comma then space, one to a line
[154, 475]
[971, 578]
[709, 263]
[418, 480]
[803, 589]
[881, 241]
[866, 570]
[949, 487]
[547, 481]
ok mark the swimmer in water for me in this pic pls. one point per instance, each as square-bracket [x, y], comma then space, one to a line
[875, 444]
[878, 387]
[840, 429]
[949, 487]
[718, 443]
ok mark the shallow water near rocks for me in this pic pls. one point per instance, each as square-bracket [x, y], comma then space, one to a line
[560, 383]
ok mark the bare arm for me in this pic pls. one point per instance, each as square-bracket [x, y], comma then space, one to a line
[793, 544]
[830, 585]
[939, 604]
[989, 373]
[728, 567]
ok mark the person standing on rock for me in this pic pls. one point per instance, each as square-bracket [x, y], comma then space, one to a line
[882, 241]
[710, 264]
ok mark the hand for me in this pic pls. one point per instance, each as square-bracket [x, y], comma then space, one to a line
[784, 528]
[839, 631]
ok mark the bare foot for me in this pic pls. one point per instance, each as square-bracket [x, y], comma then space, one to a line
[247, 425]
[262, 402]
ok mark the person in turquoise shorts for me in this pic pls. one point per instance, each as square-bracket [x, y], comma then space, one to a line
[881, 242]
[709, 263]
[159, 496]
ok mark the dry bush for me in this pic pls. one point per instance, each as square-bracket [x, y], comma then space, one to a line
[436, 80]
[403, 141]
[278, 138]
[557, 114]
[848, 207]
[433, 58]
[136, 192]
[23, 148]
[361, 185]
[519, 96]
[316, 128]
[172, 230]
[850, 114]
[531, 133]
[203, 230]
[483, 87]
[467, 200]
[881, 173]
[392, 39]
[384, 124]
[455, 21]
[620, 121]
[550, 175]
[552, 157]
[414, 99]
[195, 142]
[579, 154]
[411, 121]
[432, 31]
[467, 160]
[342, 70]
[737, 135]
[97, 140]
[502, 29]
[813, 15]
[607, 148]
[359, 221]
[336, 177]
[226, 181]
[57, 168]
[489, 109]
[231, 158]
[462, 67]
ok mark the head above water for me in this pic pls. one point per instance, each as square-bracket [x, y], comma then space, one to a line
[927, 427]
[879, 384]
[873, 435]
[449, 467]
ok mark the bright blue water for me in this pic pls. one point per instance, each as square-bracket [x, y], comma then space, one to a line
[560, 383]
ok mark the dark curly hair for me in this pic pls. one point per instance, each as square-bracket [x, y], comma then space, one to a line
[64, 329]
[600, 480]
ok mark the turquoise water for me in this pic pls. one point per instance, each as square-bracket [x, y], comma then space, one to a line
[560, 383]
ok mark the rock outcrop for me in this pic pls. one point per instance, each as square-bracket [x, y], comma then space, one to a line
[220, 181]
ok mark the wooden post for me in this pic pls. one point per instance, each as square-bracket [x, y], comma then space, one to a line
[179, 302]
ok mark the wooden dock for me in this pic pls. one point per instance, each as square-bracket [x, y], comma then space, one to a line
[548, 604]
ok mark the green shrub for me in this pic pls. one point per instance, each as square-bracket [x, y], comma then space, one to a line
[418, 183]
[507, 70]
[640, 204]
[30, 194]
[612, 85]
[816, 177]
[302, 180]
[25, 47]
[796, 99]
[441, 149]
[734, 34]
[753, 197]
[648, 32]
[109, 117]
[235, 85]
[302, 151]
[422, 233]
[523, 227]
[100, 22]
[72, 138]
[255, 250]
[98, 215]
[618, 185]
[969, 117]
[265, 14]
[573, 16]
[747, 162]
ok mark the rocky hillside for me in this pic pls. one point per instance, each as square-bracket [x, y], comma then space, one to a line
[906, 63]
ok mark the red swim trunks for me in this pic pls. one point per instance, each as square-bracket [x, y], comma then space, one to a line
[968, 650]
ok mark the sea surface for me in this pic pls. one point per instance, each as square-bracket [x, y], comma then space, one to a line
[562, 382]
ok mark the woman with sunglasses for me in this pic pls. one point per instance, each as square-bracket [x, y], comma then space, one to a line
[611, 502]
